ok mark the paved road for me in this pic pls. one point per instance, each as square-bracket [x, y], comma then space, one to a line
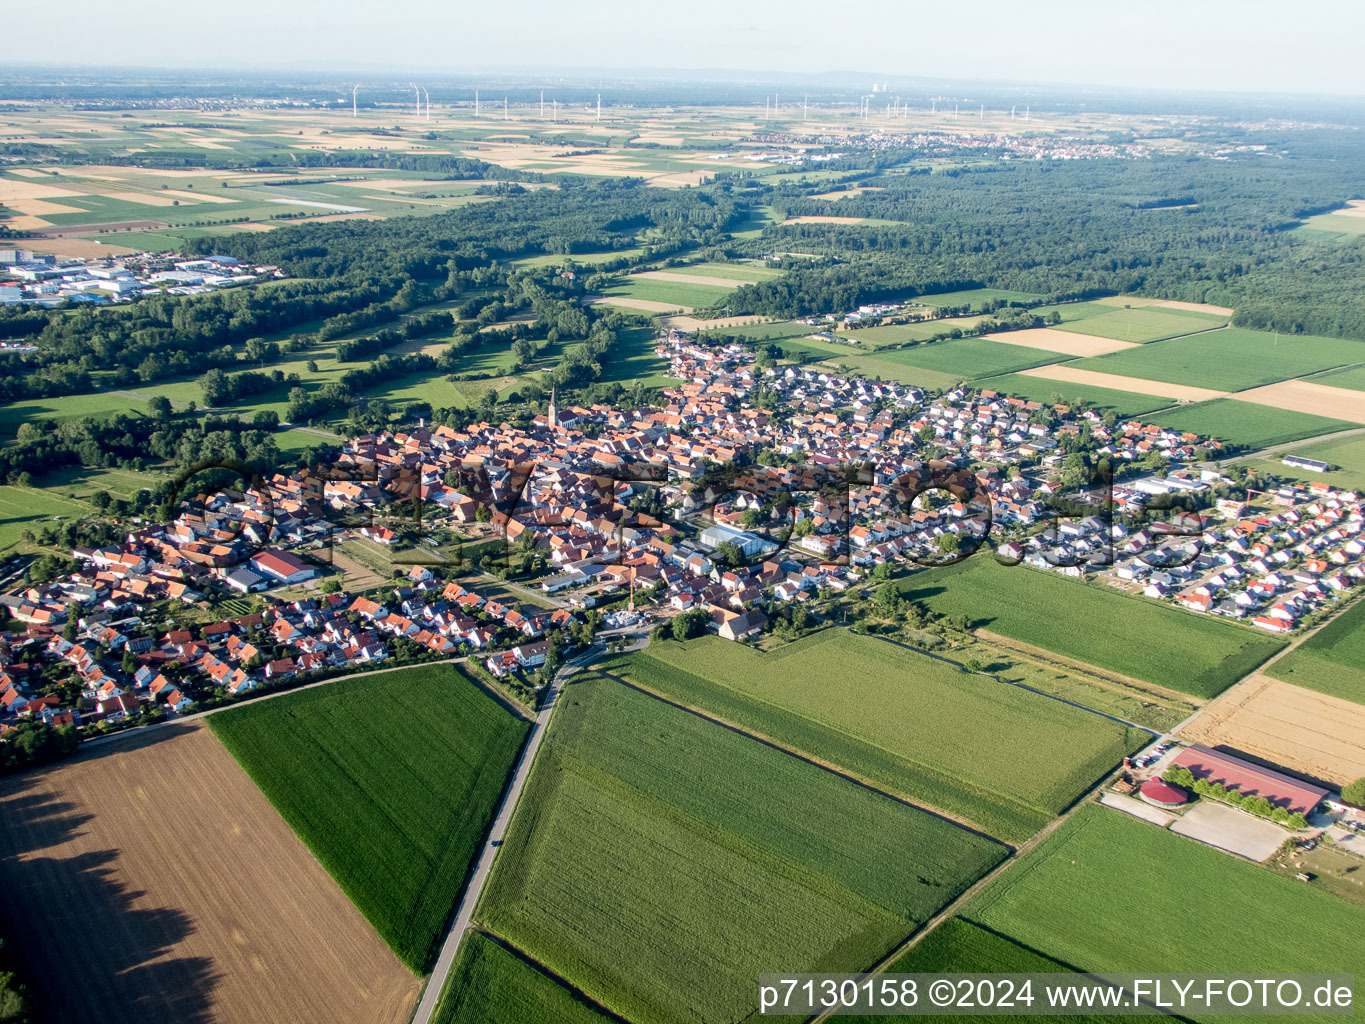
[493, 841]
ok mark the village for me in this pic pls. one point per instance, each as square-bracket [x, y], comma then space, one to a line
[615, 509]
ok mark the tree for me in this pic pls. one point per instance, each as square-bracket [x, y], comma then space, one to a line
[888, 599]
[216, 386]
[265, 419]
[160, 407]
[1354, 793]
[329, 586]
[690, 624]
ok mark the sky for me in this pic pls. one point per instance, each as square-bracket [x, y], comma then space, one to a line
[1312, 46]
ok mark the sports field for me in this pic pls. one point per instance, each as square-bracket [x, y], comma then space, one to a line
[391, 781]
[1156, 643]
[1230, 359]
[1017, 758]
[490, 985]
[1332, 660]
[1039, 389]
[156, 865]
[1143, 325]
[1246, 424]
[1107, 892]
[658, 861]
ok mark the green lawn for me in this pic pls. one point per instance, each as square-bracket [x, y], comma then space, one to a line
[1229, 360]
[1332, 660]
[391, 781]
[100, 405]
[960, 947]
[1157, 643]
[1143, 324]
[1109, 893]
[489, 985]
[1247, 424]
[659, 862]
[1015, 761]
[1038, 389]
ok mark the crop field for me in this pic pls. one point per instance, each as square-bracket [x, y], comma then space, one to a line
[894, 334]
[1229, 359]
[489, 985]
[1039, 389]
[1175, 896]
[1145, 324]
[1352, 377]
[156, 865]
[1017, 758]
[733, 271]
[1193, 655]
[1332, 660]
[27, 508]
[1246, 424]
[658, 861]
[960, 947]
[673, 293]
[869, 365]
[391, 781]
[970, 357]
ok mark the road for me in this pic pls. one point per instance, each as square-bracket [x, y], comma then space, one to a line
[464, 916]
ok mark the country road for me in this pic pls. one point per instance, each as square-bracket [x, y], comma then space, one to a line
[464, 916]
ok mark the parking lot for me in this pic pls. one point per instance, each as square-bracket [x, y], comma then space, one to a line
[1232, 830]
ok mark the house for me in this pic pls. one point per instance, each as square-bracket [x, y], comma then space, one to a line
[532, 655]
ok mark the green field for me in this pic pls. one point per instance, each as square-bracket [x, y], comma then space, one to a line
[390, 780]
[632, 359]
[894, 334]
[675, 293]
[28, 508]
[1157, 643]
[960, 947]
[1039, 389]
[975, 297]
[1247, 424]
[1017, 758]
[659, 862]
[1143, 324]
[870, 366]
[1352, 377]
[733, 271]
[1109, 893]
[1347, 453]
[971, 357]
[1332, 660]
[1229, 360]
[489, 985]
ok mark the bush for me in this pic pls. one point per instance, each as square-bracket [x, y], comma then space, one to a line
[1354, 793]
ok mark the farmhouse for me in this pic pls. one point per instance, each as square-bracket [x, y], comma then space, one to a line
[1249, 779]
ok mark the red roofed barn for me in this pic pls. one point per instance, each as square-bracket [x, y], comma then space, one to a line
[1249, 779]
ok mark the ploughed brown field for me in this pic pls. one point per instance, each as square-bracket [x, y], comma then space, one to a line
[149, 881]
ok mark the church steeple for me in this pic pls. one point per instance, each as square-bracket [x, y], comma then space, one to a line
[552, 414]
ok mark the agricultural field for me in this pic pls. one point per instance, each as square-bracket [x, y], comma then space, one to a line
[489, 985]
[1196, 656]
[746, 271]
[960, 947]
[1037, 389]
[1145, 324]
[156, 864]
[658, 861]
[974, 297]
[1332, 660]
[1018, 758]
[1352, 377]
[28, 508]
[671, 293]
[1246, 425]
[391, 781]
[1229, 360]
[1345, 454]
[870, 365]
[969, 357]
[1062, 901]
[871, 338]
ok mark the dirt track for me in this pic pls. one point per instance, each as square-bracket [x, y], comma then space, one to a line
[150, 881]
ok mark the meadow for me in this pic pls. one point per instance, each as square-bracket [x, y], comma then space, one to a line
[1246, 424]
[1038, 389]
[1017, 758]
[1332, 660]
[970, 357]
[870, 365]
[696, 296]
[1347, 454]
[1144, 324]
[961, 947]
[490, 985]
[1107, 892]
[1229, 360]
[390, 780]
[733, 271]
[27, 508]
[896, 334]
[658, 862]
[1155, 643]
[1352, 377]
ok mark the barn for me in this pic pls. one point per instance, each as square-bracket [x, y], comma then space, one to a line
[1164, 794]
[1249, 779]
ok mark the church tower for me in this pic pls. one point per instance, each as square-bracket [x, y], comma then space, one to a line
[552, 414]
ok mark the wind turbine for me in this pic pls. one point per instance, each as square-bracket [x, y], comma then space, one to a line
[427, 96]
[599, 106]
[354, 89]
[418, 93]
[476, 101]
[542, 104]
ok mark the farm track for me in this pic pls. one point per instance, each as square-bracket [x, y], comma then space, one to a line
[801, 755]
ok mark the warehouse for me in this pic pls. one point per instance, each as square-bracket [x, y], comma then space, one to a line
[1249, 779]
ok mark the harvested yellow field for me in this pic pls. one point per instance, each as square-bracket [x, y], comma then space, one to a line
[681, 278]
[27, 172]
[41, 207]
[812, 219]
[1196, 307]
[1065, 342]
[11, 190]
[1355, 208]
[157, 866]
[1074, 375]
[145, 198]
[691, 323]
[79, 248]
[1310, 397]
[644, 305]
[1305, 731]
[859, 190]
